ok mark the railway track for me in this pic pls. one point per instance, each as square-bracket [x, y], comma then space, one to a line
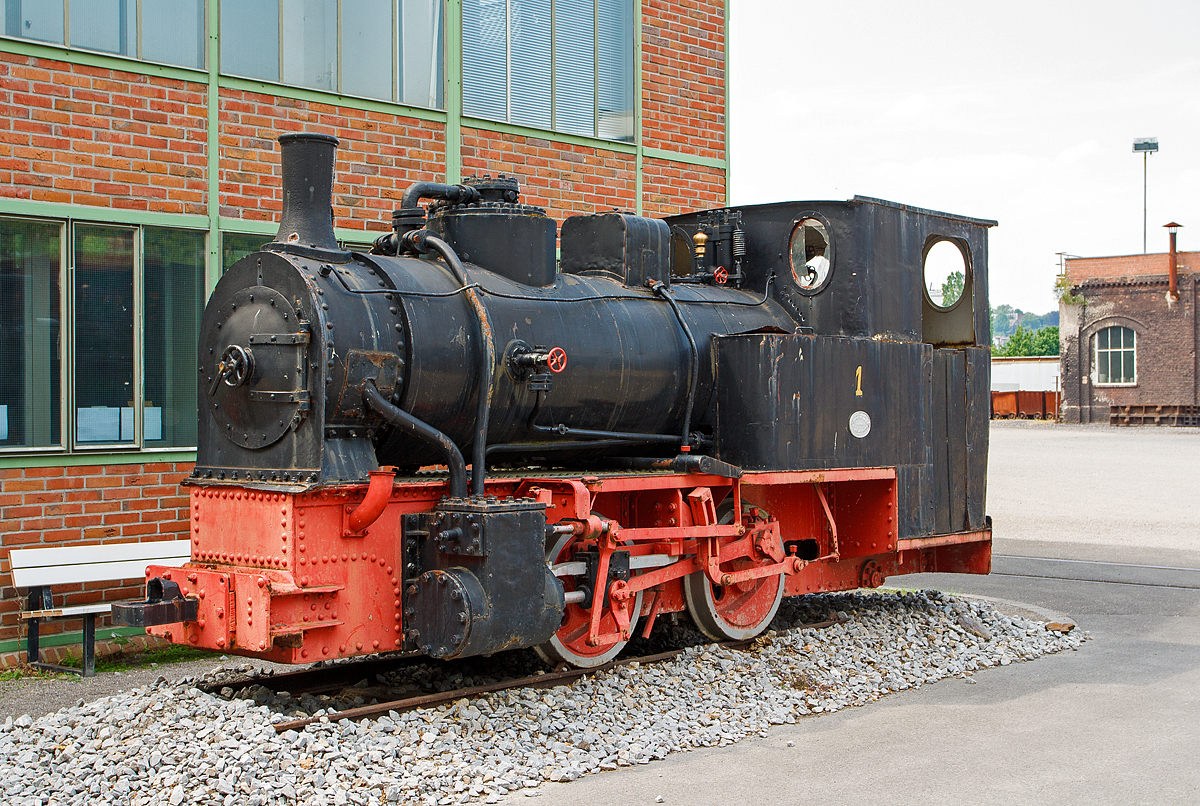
[349, 676]
[546, 680]
[322, 679]
[340, 676]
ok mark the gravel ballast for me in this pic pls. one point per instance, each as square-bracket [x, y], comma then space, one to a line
[174, 744]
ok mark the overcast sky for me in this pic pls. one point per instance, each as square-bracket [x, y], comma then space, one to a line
[1022, 112]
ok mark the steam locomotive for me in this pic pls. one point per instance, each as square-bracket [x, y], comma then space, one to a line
[464, 442]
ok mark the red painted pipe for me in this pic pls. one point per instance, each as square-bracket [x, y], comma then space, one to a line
[378, 492]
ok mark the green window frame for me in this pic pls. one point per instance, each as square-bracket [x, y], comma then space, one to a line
[236, 245]
[101, 325]
[387, 50]
[1115, 356]
[32, 277]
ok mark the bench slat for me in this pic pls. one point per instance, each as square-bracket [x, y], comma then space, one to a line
[111, 552]
[95, 572]
[66, 612]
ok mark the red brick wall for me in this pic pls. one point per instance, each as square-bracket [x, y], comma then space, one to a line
[97, 137]
[1167, 338]
[565, 179]
[379, 156]
[683, 76]
[87, 504]
[103, 138]
[670, 188]
[1084, 269]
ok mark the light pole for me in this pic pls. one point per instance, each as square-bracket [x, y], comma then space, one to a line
[1148, 146]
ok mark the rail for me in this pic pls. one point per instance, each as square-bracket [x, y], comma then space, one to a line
[330, 678]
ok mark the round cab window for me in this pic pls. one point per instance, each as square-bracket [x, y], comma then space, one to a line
[945, 273]
[810, 254]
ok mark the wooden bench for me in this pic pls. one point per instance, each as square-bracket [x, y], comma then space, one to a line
[39, 569]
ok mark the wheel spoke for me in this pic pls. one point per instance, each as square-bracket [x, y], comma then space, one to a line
[569, 645]
[572, 636]
[733, 612]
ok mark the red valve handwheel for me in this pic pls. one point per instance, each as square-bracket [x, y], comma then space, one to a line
[720, 275]
[557, 360]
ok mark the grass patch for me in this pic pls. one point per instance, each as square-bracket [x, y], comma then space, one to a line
[23, 672]
[123, 662]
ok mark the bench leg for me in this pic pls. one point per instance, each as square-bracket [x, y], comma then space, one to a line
[32, 651]
[89, 645]
[39, 599]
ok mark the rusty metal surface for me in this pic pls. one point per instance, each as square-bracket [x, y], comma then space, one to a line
[1154, 415]
[1025, 405]
[808, 390]
[911, 543]
[875, 285]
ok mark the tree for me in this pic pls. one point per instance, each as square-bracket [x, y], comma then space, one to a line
[1003, 317]
[1045, 341]
[952, 288]
[1006, 319]
[1024, 341]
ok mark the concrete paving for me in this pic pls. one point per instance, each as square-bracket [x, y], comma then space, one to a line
[1076, 487]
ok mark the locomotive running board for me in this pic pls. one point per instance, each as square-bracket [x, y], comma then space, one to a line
[952, 539]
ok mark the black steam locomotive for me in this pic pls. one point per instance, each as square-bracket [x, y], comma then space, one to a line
[464, 442]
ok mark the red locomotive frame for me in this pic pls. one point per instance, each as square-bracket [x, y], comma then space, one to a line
[300, 577]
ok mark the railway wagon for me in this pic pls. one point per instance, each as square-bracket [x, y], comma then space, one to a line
[490, 434]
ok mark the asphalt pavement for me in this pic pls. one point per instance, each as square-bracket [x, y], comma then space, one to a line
[1116, 721]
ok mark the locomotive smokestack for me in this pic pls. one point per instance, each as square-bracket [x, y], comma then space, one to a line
[307, 220]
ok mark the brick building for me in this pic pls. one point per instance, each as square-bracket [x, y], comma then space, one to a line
[138, 159]
[1124, 340]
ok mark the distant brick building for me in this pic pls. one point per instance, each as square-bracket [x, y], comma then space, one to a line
[1124, 341]
[138, 160]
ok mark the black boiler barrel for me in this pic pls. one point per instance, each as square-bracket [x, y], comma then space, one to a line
[628, 359]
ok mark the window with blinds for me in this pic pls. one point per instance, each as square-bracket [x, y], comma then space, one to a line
[390, 50]
[564, 65]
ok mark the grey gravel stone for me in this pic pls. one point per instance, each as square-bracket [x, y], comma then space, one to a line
[176, 743]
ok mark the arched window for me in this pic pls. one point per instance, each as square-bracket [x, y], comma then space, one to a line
[1116, 357]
